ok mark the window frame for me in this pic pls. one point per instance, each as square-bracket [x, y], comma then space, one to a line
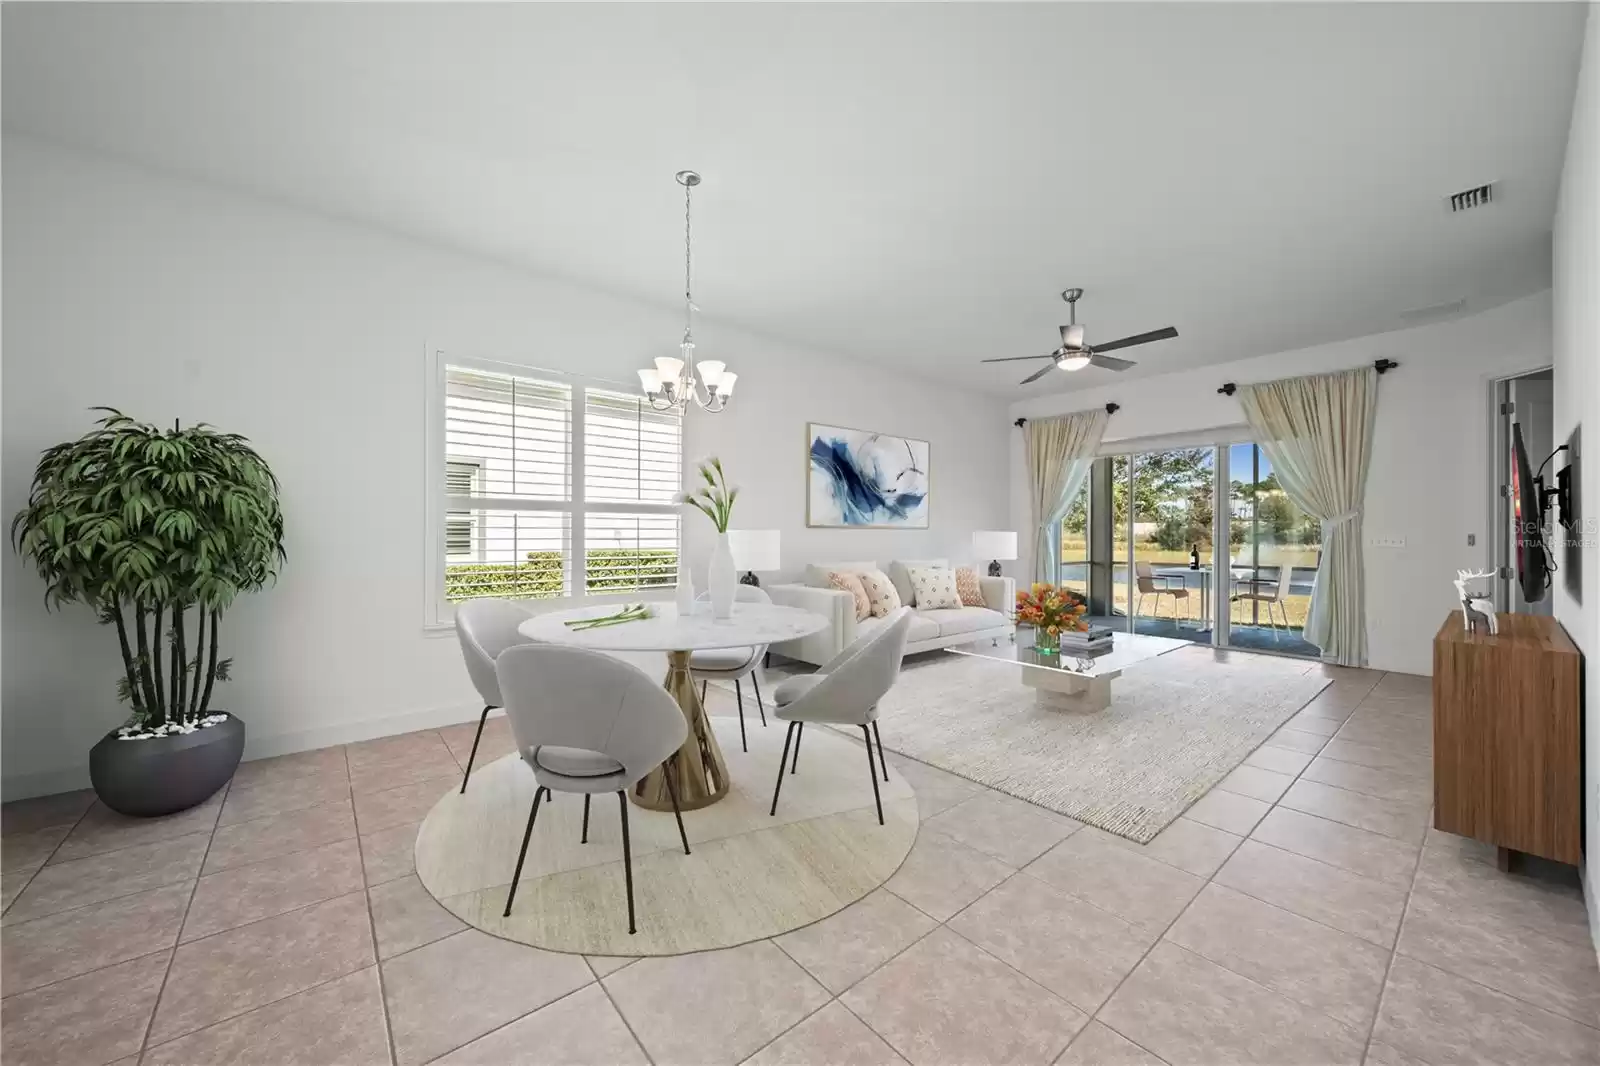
[438, 613]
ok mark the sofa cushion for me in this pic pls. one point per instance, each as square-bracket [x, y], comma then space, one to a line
[969, 588]
[921, 628]
[959, 620]
[881, 591]
[846, 581]
[902, 579]
[817, 573]
[934, 587]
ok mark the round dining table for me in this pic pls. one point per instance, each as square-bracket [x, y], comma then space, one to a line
[701, 773]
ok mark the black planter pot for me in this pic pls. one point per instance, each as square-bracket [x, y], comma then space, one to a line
[164, 775]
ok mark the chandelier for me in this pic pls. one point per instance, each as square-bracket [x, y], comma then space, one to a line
[671, 383]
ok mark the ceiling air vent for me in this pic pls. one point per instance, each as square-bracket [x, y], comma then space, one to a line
[1467, 199]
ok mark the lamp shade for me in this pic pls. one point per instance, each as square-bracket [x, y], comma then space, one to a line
[754, 549]
[994, 544]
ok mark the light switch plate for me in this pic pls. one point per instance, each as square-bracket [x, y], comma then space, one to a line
[1386, 542]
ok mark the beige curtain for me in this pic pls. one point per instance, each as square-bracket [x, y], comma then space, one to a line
[1317, 433]
[1059, 452]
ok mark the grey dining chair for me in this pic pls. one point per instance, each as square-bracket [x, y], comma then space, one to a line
[845, 691]
[733, 664]
[587, 723]
[486, 628]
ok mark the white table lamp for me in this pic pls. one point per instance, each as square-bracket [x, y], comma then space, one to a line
[994, 545]
[753, 549]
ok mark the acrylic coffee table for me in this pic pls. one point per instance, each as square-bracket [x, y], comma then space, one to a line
[1075, 682]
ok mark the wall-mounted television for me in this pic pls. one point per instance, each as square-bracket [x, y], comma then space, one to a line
[1527, 517]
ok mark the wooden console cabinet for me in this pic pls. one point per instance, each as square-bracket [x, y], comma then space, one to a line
[1507, 740]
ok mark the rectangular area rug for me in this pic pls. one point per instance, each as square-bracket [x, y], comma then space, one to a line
[1176, 726]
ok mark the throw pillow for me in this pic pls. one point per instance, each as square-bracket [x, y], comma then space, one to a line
[880, 591]
[935, 587]
[851, 583]
[967, 587]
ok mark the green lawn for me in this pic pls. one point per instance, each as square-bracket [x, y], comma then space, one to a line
[1301, 557]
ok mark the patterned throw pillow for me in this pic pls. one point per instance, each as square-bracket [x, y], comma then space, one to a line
[935, 587]
[967, 587]
[880, 592]
[851, 583]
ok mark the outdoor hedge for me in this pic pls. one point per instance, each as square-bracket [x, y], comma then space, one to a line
[540, 576]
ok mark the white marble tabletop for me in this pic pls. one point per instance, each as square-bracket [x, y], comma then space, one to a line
[752, 624]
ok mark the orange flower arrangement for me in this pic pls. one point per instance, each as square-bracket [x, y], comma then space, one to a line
[1051, 610]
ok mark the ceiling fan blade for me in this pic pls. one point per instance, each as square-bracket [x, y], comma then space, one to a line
[1138, 338]
[1036, 375]
[1110, 362]
[1017, 358]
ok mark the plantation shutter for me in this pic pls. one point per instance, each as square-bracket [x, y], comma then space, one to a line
[508, 486]
[631, 453]
[632, 473]
[460, 478]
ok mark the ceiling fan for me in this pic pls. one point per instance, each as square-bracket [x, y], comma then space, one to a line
[1074, 354]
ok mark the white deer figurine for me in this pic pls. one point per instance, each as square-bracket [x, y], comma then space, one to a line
[1473, 606]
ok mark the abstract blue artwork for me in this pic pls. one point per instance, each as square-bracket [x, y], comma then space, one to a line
[862, 480]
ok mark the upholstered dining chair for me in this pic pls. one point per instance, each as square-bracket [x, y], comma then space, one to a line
[845, 691]
[486, 628]
[733, 664]
[586, 722]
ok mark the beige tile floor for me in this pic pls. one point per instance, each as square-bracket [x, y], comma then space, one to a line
[1302, 912]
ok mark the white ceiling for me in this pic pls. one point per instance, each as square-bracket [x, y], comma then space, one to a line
[911, 185]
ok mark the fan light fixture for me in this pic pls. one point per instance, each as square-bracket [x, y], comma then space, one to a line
[670, 384]
[1073, 361]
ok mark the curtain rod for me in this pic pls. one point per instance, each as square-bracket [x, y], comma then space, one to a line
[1380, 365]
[1111, 409]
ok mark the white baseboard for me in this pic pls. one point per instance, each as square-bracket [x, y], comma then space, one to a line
[68, 779]
[367, 729]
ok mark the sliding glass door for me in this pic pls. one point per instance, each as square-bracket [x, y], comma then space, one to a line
[1275, 548]
[1075, 563]
[1170, 536]
[1198, 543]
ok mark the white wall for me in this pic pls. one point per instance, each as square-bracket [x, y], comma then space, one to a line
[1577, 414]
[307, 334]
[1429, 481]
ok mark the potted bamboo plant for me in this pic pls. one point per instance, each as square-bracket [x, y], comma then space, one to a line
[158, 532]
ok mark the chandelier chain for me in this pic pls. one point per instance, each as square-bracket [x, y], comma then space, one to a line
[688, 262]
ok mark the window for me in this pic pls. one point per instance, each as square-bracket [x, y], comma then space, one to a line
[529, 467]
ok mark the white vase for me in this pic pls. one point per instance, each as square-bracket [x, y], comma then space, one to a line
[721, 581]
[685, 594]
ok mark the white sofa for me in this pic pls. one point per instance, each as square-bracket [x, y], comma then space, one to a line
[930, 629]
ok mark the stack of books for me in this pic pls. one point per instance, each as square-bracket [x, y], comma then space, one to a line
[1095, 638]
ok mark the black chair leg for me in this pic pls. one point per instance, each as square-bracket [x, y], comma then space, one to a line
[782, 762]
[703, 685]
[585, 838]
[482, 718]
[799, 728]
[627, 859]
[759, 705]
[527, 834]
[739, 693]
[876, 735]
[872, 771]
[672, 790]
